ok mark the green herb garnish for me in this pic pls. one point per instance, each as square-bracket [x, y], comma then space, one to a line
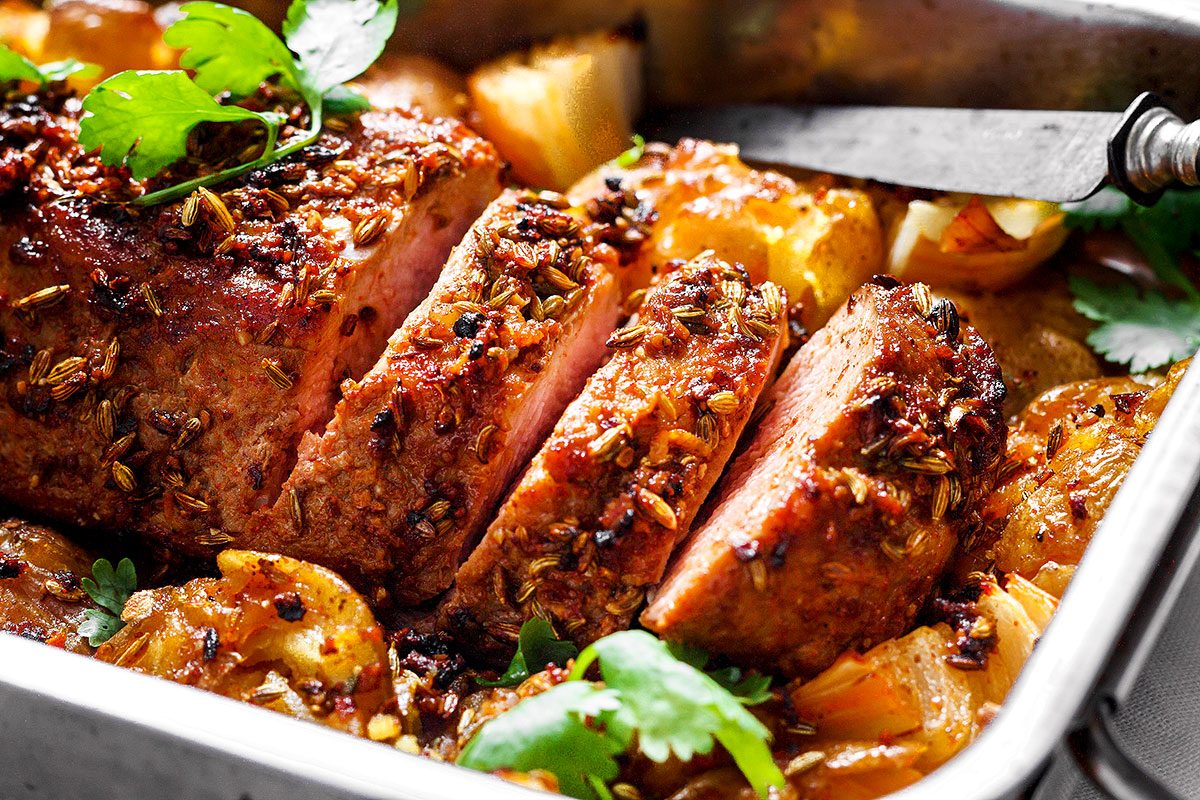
[537, 647]
[652, 700]
[143, 118]
[555, 731]
[110, 589]
[634, 154]
[1143, 328]
[16, 67]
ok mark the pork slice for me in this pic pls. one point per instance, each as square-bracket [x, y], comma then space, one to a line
[159, 365]
[405, 478]
[591, 525]
[884, 436]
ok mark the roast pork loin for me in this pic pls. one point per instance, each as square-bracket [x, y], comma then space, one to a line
[589, 528]
[405, 478]
[159, 365]
[884, 435]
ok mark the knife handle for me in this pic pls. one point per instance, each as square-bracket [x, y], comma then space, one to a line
[1153, 148]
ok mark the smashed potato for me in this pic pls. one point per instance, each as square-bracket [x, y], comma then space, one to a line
[820, 244]
[973, 242]
[273, 631]
[23, 27]
[561, 109]
[1069, 456]
[41, 594]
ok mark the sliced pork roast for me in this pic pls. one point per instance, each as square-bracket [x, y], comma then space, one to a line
[832, 527]
[160, 364]
[591, 525]
[408, 473]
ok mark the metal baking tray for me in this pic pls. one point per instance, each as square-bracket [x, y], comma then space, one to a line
[75, 728]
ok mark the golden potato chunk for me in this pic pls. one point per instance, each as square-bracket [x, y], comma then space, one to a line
[23, 27]
[561, 109]
[274, 631]
[41, 596]
[1069, 456]
[116, 34]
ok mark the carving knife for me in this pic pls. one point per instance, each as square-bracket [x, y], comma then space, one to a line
[1042, 155]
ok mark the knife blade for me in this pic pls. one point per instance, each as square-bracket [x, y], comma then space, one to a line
[1044, 155]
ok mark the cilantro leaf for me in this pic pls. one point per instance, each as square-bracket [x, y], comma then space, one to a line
[143, 118]
[1163, 232]
[675, 709]
[342, 99]
[634, 154]
[99, 626]
[550, 731]
[16, 67]
[110, 589]
[749, 688]
[536, 648]
[1142, 329]
[336, 40]
[229, 49]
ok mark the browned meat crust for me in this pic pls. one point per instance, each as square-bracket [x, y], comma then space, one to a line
[160, 365]
[832, 528]
[41, 594]
[590, 527]
[407, 475]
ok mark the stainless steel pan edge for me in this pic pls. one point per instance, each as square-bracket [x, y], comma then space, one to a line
[73, 728]
[76, 729]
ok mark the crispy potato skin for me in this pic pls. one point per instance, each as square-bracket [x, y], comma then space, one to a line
[1066, 463]
[40, 593]
[274, 631]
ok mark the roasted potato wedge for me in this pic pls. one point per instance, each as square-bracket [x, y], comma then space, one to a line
[274, 631]
[408, 81]
[561, 109]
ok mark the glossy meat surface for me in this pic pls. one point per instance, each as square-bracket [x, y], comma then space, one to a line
[1069, 456]
[41, 596]
[407, 475]
[589, 528]
[158, 366]
[273, 631]
[832, 527]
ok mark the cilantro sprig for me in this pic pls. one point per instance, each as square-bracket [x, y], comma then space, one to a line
[16, 67]
[652, 700]
[1152, 327]
[537, 648]
[634, 154]
[144, 119]
[109, 588]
